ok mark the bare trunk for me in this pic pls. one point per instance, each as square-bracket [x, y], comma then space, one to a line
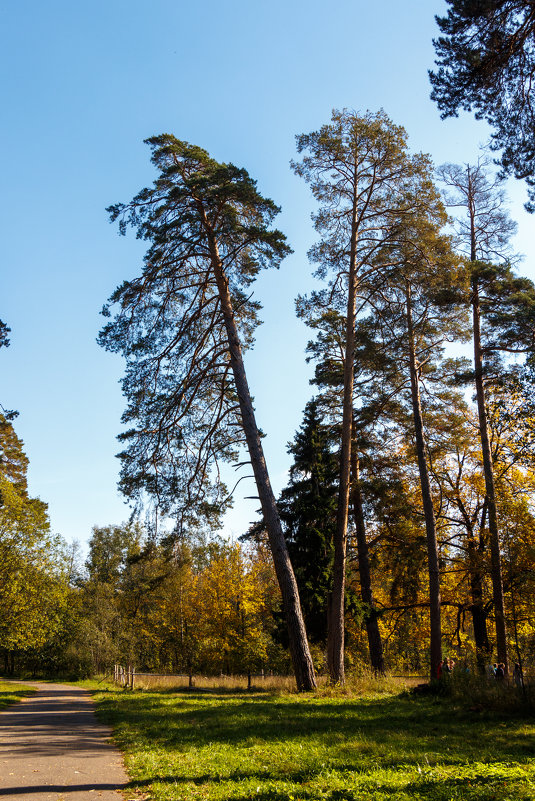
[372, 628]
[488, 471]
[477, 609]
[336, 620]
[479, 622]
[427, 502]
[476, 547]
[300, 652]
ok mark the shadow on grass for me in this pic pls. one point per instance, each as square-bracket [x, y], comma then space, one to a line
[411, 728]
[437, 788]
[11, 695]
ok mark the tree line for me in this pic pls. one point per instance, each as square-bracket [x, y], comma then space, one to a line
[414, 477]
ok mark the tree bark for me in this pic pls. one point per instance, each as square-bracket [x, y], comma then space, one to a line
[479, 618]
[336, 621]
[477, 609]
[427, 502]
[372, 628]
[299, 649]
[476, 547]
[488, 471]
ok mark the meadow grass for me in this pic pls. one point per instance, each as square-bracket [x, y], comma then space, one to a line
[358, 684]
[11, 693]
[330, 745]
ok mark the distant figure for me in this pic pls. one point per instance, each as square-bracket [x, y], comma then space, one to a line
[491, 671]
[446, 666]
[517, 675]
[500, 671]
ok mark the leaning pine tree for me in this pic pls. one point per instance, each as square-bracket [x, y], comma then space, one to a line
[181, 326]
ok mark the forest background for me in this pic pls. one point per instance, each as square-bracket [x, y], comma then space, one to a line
[83, 87]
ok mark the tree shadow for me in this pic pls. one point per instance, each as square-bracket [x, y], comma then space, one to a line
[414, 727]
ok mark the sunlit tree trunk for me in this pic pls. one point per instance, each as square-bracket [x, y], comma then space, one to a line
[336, 623]
[301, 658]
[372, 627]
[488, 470]
[427, 501]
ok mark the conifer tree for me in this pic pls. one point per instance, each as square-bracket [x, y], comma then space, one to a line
[181, 326]
[486, 60]
[413, 330]
[327, 350]
[13, 460]
[503, 322]
[357, 167]
[308, 513]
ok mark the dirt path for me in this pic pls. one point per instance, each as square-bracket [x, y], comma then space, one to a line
[52, 748]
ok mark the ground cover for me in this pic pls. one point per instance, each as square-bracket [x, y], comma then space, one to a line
[268, 747]
[10, 693]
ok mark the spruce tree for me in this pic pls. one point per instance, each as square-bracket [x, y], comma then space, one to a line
[308, 513]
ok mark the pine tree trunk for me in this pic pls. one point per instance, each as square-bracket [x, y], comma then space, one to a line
[299, 649]
[477, 609]
[488, 471]
[372, 627]
[336, 621]
[479, 620]
[476, 548]
[427, 502]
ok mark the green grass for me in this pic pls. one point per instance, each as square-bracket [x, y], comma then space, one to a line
[220, 746]
[11, 693]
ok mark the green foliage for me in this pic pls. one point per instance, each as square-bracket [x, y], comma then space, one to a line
[109, 549]
[173, 607]
[308, 513]
[36, 601]
[34, 594]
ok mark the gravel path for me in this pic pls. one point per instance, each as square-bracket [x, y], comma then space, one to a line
[52, 748]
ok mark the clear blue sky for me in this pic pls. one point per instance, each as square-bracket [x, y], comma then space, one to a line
[82, 85]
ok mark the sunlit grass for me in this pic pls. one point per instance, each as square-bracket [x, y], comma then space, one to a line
[365, 682]
[11, 693]
[283, 747]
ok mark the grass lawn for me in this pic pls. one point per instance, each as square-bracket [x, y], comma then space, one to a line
[218, 746]
[10, 693]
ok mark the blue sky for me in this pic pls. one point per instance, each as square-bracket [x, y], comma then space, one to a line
[82, 85]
